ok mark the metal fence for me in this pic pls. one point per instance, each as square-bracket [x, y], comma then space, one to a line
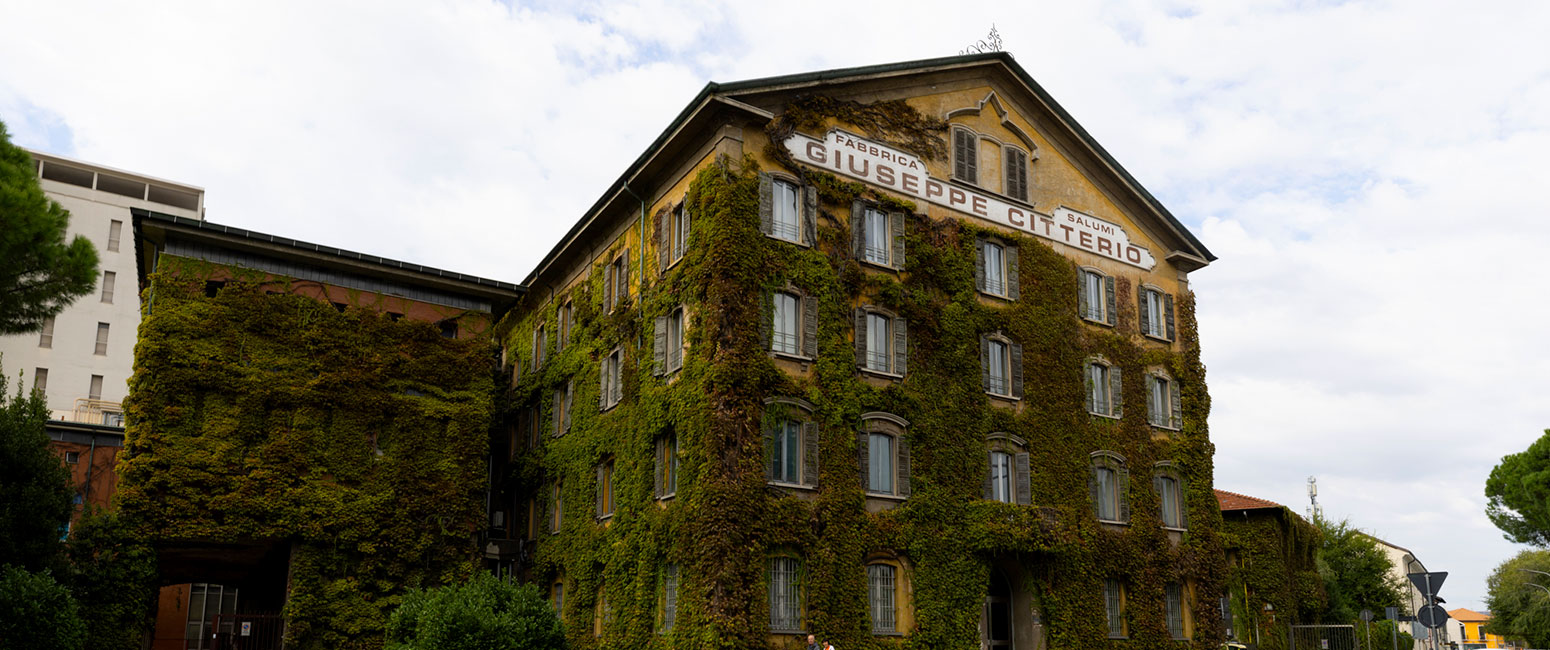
[247, 632]
[1323, 637]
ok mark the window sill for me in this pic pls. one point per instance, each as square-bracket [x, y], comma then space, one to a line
[879, 266]
[792, 486]
[1102, 323]
[1164, 427]
[1105, 416]
[608, 408]
[1112, 522]
[667, 497]
[879, 373]
[605, 517]
[789, 356]
[1007, 398]
[886, 496]
[1160, 339]
[995, 296]
[795, 242]
[888, 634]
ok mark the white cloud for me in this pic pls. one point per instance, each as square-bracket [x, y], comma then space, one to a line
[1370, 174]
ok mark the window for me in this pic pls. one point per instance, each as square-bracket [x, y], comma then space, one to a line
[1174, 593]
[46, 337]
[1170, 497]
[666, 466]
[878, 236]
[792, 324]
[880, 580]
[673, 235]
[40, 379]
[108, 280]
[557, 596]
[102, 339]
[605, 489]
[669, 342]
[1114, 607]
[996, 269]
[884, 454]
[557, 507]
[790, 442]
[616, 281]
[115, 229]
[567, 313]
[787, 211]
[669, 597]
[1095, 297]
[72, 457]
[1110, 487]
[610, 379]
[534, 422]
[882, 342]
[540, 346]
[204, 602]
[1162, 401]
[1016, 185]
[787, 220]
[785, 594]
[1009, 477]
[562, 408]
[1000, 476]
[1103, 389]
[788, 330]
[95, 391]
[1001, 365]
[966, 156]
[1156, 311]
[448, 328]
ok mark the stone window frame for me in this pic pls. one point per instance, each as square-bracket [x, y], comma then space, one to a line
[898, 342]
[1112, 461]
[1085, 300]
[778, 411]
[807, 208]
[1113, 388]
[894, 248]
[1021, 485]
[897, 428]
[1166, 469]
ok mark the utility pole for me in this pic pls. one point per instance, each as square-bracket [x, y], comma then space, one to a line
[1313, 497]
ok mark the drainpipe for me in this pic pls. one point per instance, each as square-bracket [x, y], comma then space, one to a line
[90, 457]
[640, 285]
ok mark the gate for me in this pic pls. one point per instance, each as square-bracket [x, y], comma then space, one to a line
[1323, 637]
[247, 632]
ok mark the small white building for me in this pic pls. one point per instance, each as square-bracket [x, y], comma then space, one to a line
[83, 357]
[1403, 563]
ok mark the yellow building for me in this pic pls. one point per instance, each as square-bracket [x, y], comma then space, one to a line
[1469, 625]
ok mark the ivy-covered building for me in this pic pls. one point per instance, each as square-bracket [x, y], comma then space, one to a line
[307, 433]
[1273, 579]
[898, 356]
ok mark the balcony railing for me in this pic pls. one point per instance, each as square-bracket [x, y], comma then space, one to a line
[98, 411]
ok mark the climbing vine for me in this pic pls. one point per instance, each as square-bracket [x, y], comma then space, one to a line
[1273, 563]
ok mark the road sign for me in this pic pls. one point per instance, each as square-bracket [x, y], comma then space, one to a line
[1428, 583]
[1432, 616]
[1366, 615]
[1391, 613]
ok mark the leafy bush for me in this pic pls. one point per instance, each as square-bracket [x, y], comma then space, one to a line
[37, 613]
[484, 614]
[114, 578]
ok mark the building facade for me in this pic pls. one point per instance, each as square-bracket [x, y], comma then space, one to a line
[1273, 578]
[892, 356]
[1466, 631]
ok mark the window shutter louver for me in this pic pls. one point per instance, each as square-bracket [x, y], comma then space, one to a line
[659, 468]
[769, 452]
[1117, 403]
[617, 380]
[1017, 369]
[766, 204]
[1176, 416]
[767, 324]
[1183, 503]
[960, 155]
[903, 483]
[809, 214]
[1083, 302]
[896, 228]
[810, 453]
[1152, 416]
[1087, 385]
[659, 341]
[809, 327]
[1014, 279]
[860, 337]
[624, 277]
[858, 228]
[1157, 488]
[1168, 314]
[985, 362]
[570, 391]
[861, 454]
[1095, 493]
[1108, 297]
[602, 383]
[1123, 487]
[1144, 312]
[1024, 480]
[901, 344]
[599, 490]
[979, 265]
[990, 463]
[664, 240]
[687, 228]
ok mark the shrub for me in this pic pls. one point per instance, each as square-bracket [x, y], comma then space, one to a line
[37, 613]
[484, 614]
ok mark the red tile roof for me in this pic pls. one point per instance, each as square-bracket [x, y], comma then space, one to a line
[1235, 501]
[1462, 614]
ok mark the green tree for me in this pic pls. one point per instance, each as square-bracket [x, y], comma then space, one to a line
[35, 492]
[37, 613]
[1357, 574]
[1518, 494]
[487, 613]
[114, 578]
[39, 273]
[1519, 609]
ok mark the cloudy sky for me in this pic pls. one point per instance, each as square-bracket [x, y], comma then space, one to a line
[1371, 174]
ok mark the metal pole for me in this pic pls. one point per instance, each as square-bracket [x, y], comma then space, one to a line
[1395, 634]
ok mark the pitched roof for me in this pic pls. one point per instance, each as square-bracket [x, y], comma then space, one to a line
[1235, 501]
[1468, 615]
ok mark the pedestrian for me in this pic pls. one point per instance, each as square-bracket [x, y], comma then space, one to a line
[812, 643]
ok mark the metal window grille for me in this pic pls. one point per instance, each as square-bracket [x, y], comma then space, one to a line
[1175, 610]
[669, 597]
[95, 391]
[880, 588]
[1170, 501]
[680, 232]
[1113, 608]
[787, 454]
[1161, 404]
[1096, 296]
[785, 595]
[1154, 306]
[675, 340]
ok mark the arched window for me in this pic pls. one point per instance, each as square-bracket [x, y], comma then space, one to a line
[1008, 479]
[1001, 366]
[1110, 488]
[786, 584]
[1169, 485]
[1095, 296]
[1103, 384]
[790, 442]
[1163, 403]
[885, 455]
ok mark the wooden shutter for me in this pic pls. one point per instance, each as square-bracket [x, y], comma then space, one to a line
[1157, 488]
[1116, 402]
[1095, 492]
[687, 227]
[1183, 502]
[1176, 415]
[902, 485]
[985, 362]
[1087, 385]
[1083, 302]
[664, 239]
[979, 265]
[570, 391]
[901, 346]
[860, 338]
[990, 463]
[599, 490]
[1149, 382]
[861, 453]
[896, 230]
[809, 326]
[1108, 297]
[1024, 480]
[624, 278]
[1122, 487]
[659, 343]
[616, 378]
[809, 215]
[858, 228]
[1168, 314]
[767, 324]
[766, 204]
[769, 449]
[810, 453]
[557, 413]
[965, 156]
[1144, 311]
[658, 468]
[1016, 363]
[608, 286]
[1016, 173]
[1014, 278]
[602, 382]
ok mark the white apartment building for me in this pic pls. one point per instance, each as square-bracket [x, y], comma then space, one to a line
[83, 357]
